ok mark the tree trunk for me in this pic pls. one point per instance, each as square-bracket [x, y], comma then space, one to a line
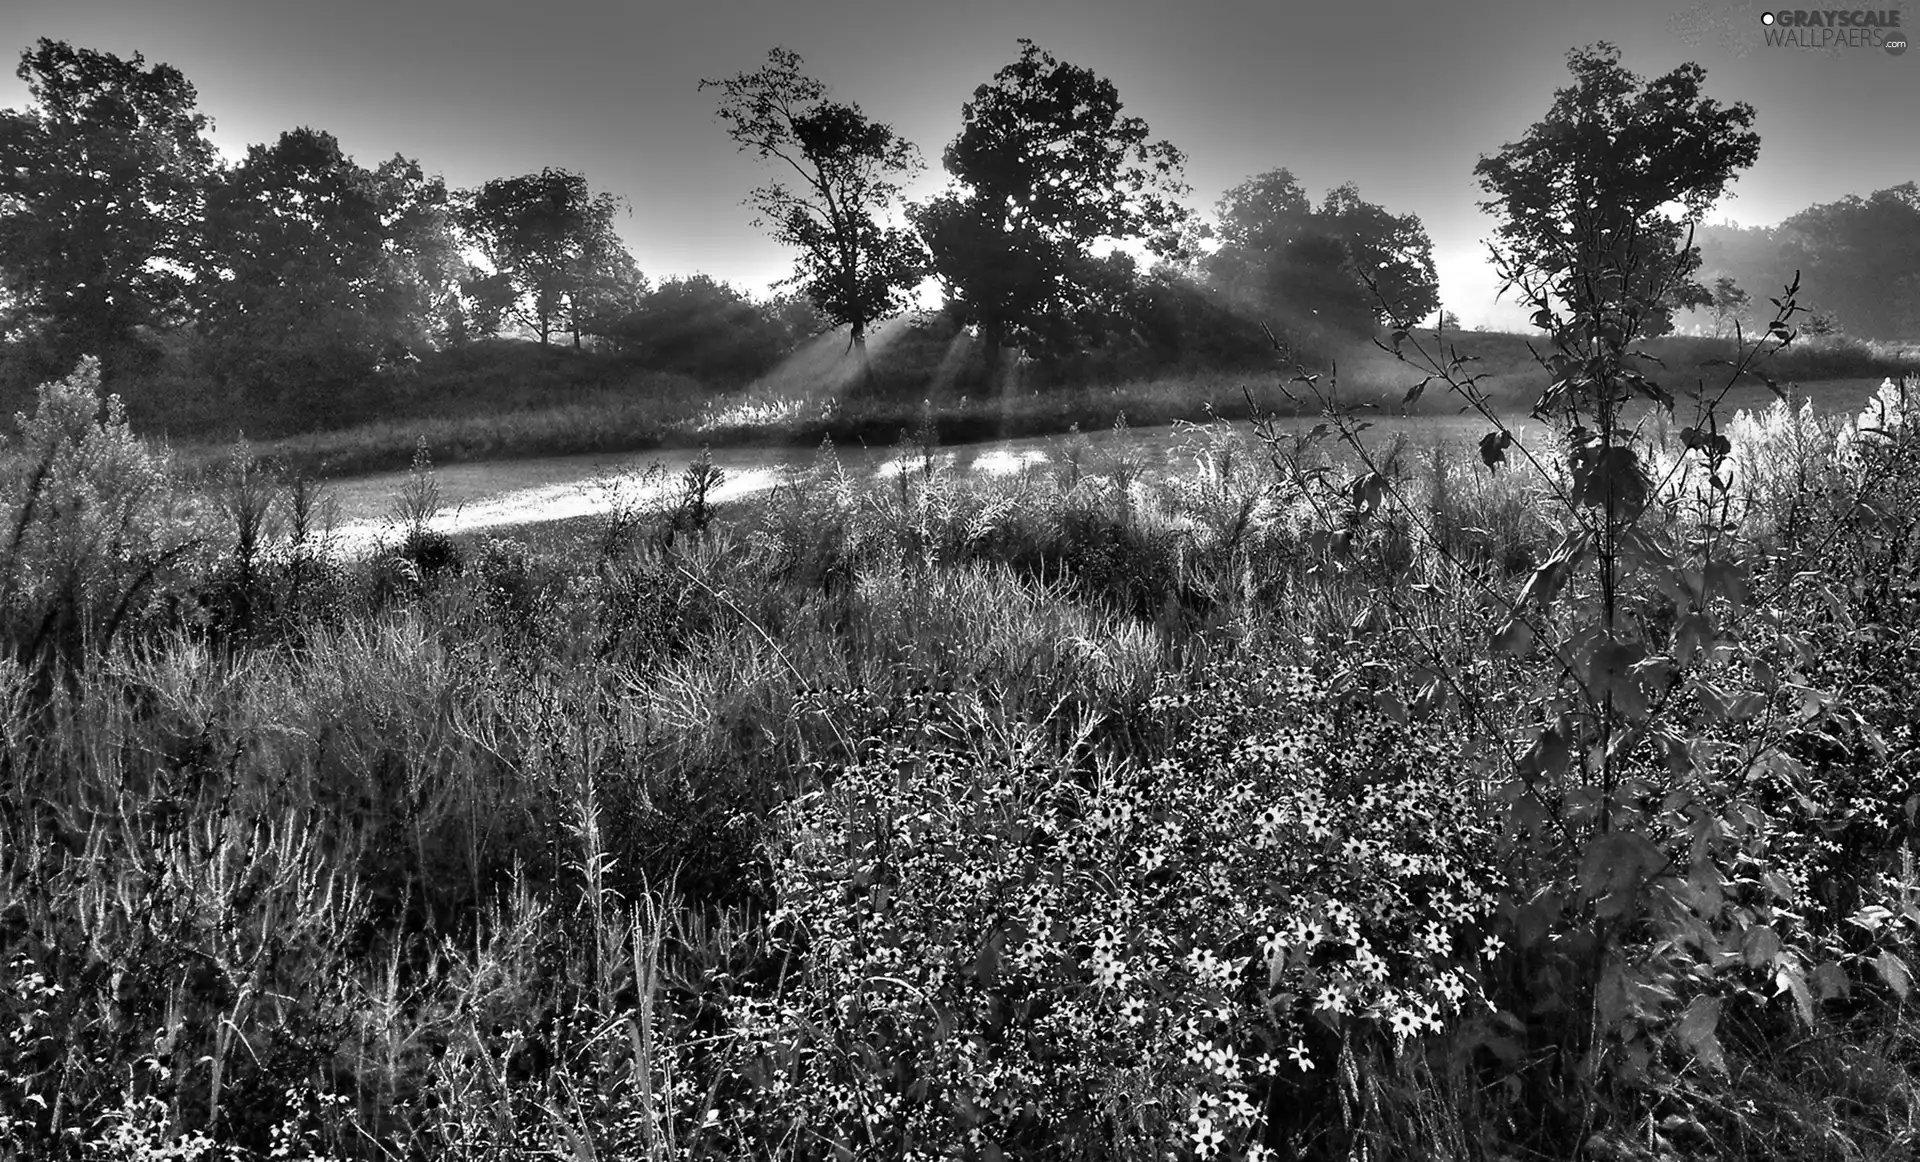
[866, 361]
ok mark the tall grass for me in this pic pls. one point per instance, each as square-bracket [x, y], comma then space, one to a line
[1089, 812]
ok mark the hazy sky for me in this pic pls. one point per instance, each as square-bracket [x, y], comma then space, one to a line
[1400, 97]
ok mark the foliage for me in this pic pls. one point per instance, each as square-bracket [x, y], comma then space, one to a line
[304, 288]
[1597, 170]
[100, 184]
[705, 328]
[854, 269]
[90, 529]
[1045, 166]
[557, 262]
[1282, 259]
[1856, 258]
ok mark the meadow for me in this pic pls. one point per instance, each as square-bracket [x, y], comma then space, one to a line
[1207, 807]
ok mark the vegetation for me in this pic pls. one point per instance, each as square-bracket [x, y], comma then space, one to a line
[852, 268]
[1550, 796]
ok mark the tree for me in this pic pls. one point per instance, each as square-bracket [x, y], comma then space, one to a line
[422, 248]
[1583, 195]
[705, 328]
[100, 193]
[1310, 269]
[854, 268]
[552, 247]
[1861, 260]
[1728, 303]
[1392, 252]
[1045, 167]
[298, 288]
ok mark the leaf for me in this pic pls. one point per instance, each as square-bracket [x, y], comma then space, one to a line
[1760, 945]
[1893, 970]
[1830, 981]
[1618, 862]
[1697, 1031]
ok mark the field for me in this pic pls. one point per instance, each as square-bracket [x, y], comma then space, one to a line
[513, 400]
[1197, 796]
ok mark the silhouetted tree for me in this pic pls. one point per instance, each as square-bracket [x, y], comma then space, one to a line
[702, 327]
[1582, 195]
[100, 194]
[315, 268]
[552, 247]
[1307, 269]
[853, 267]
[1045, 167]
[1728, 302]
[1392, 251]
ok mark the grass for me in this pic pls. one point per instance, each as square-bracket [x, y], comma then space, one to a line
[1092, 812]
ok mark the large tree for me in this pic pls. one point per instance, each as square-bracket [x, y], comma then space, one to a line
[1308, 269]
[1045, 168]
[422, 246]
[852, 265]
[100, 188]
[1599, 198]
[297, 287]
[552, 246]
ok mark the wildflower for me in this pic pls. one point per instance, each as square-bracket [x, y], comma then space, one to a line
[1299, 1055]
[1206, 1139]
[1491, 947]
[1133, 1011]
[1267, 1064]
[1239, 1108]
[1331, 1000]
[1403, 1023]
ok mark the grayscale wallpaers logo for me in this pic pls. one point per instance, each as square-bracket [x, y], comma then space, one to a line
[1827, 28]
[1740, 29]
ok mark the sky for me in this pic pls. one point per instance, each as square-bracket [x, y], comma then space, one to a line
[1401, 98]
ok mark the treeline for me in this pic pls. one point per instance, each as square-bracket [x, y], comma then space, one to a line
[1858, 258]
[299, 283]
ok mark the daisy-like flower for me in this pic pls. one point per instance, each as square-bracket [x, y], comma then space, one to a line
[1299, 1056]
[1491, 947]
[1267, 1064]
[1222, 1059]
[1331, 1000]
[1402, 1022]
[1207, 1140]
[1239, 1108]
[1133, 1011]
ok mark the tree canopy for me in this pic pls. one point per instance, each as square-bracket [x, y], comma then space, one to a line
[852, 265]
[1597, 199]
[1045, 167]
[1307, 269]
[100, 187]
[557, 261]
